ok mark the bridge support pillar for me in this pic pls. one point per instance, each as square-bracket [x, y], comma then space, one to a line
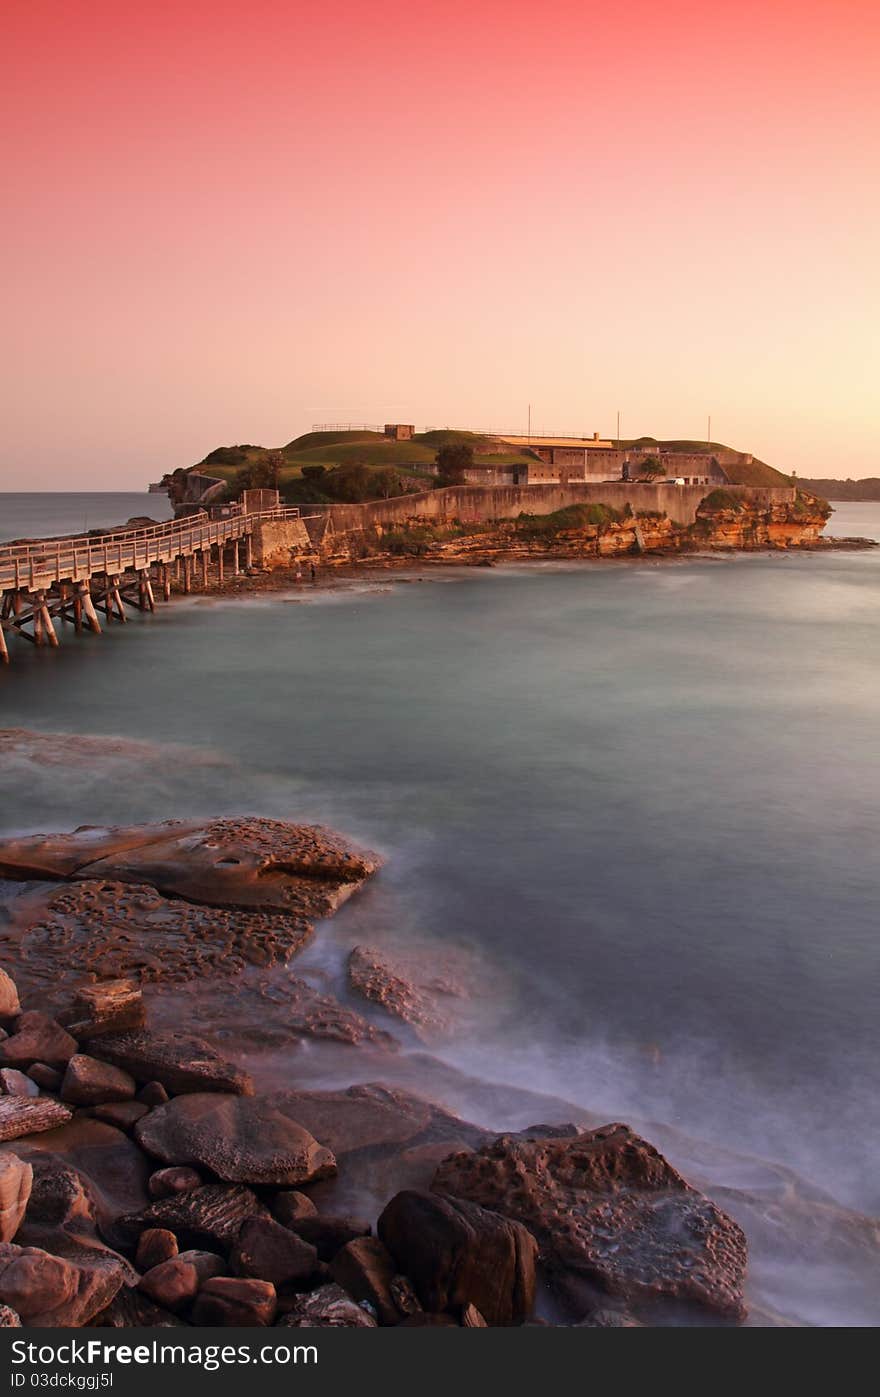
[249, 551]
[4, 649]
[187, 575]
[87, 608]
[205, 553]
[220, 563]
[166, 582]
[236, 559]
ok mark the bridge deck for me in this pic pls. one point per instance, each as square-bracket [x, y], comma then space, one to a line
[42, 563]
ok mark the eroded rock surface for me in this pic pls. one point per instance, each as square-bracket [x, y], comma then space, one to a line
[240, 1139]
[608, 1207]
[246, 862]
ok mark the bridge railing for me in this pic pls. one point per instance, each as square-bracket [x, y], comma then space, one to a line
[40, 562]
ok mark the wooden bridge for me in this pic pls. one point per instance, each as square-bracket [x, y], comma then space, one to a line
[80, 580]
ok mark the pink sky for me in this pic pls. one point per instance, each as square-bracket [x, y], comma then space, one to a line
[228, 221]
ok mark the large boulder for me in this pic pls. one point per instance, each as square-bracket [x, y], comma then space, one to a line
[365, 1269]
[457, 1253]
[179, 1061]
[227, 863]
[16, 1181]
[52, 1292]
[608, 1208]
[37, 1038]
[88, 1082]
[240, 1139]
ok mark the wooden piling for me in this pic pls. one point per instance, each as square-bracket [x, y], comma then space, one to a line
[4, 649]
[187, 575]
[87, 608]
[220, 563]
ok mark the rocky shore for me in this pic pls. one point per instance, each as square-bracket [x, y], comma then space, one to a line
[146, 1180]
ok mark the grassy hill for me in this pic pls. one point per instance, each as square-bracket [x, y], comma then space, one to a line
[868, 489]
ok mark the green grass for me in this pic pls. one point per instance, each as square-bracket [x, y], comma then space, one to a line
[574, 516]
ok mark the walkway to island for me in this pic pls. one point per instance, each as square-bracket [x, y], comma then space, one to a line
[79, 579]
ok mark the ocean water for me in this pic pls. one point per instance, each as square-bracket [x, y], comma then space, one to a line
[45, 515]
[643, 796]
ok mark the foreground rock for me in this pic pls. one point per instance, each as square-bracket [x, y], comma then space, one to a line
[37, 1038]
[328, 1307]
[179, 1061]
[49, 1291]
[228, 863]
[88, 1082]
[247, 1140]
[206, 1218]
[608, 1208]
[26, 1115]
[230, 1302]
[112, 1006]
[458, 1254]
[9, 1005]
[16, 1181]
[264, 1250]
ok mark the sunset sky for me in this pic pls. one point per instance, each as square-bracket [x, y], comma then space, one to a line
[227, 221]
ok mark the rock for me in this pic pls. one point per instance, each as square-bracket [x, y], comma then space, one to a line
[16, 1182]
[51, 1292]
[88, 1082]
[166, 1182]
[240, 1139]
[330, 1234]
[37, 1038]
[23, 1115]
[8, 1318]
[266, 1251]
[84, 1158]
[228, 1301]
[153, 1094]
[472, 1319]
[155, 1245]
[61, 1217]
[398, 990]
[181, 1062]
[207, 1264]
[46, 1077]
[366, 1270]
[326, 1308]
[228, 863]
[457, 1253]
[9, 1005]
[15, 1083]
[608, 1208]
[123, 1114]
[130, 1309]
[110, 1006]
[173, 1284]
[205, 1218]
[289, 1207]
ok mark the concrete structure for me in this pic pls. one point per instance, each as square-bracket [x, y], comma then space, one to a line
[259, 501]
[400, 431]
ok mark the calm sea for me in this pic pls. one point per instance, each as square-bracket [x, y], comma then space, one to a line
[43, 516]
[645, 795]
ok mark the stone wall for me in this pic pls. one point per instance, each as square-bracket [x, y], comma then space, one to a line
[277, 541]
[483, 504]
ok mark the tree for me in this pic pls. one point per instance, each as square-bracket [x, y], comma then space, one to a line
[651, 467]
[262, 474]
[453, 461]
